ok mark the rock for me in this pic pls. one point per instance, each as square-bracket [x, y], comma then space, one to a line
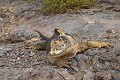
[3, 20]
[27, 10]
[5, 50]
[22, 33]
[115, 75]
[107, 6]
[79, 75]
[66, 75]
[45, 73]
[108, 1]
[89, 63]
[18, 58]
[32, 53]
[89, 75]
[9, 74]
[72, 22]
[116, 66]
[91, 24]
[104, 75]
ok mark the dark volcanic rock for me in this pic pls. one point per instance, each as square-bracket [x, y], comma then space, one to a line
[22, 33]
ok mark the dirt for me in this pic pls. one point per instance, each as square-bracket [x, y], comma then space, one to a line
[18, 19]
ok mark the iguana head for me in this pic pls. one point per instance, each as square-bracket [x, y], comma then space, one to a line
[59, 45]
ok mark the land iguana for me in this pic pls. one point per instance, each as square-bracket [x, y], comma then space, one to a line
[61, 47]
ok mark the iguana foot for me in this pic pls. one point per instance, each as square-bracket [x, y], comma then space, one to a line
[63, 63]
[59, 61]
[35, 43]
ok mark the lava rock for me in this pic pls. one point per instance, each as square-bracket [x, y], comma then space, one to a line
[22, 33]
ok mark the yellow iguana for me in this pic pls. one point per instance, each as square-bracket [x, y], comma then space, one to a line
[61, 47]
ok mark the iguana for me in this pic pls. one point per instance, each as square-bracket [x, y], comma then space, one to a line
[61, 47]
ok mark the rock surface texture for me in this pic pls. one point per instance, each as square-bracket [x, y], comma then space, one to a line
[19, 19]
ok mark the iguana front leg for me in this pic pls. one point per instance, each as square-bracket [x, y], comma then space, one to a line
[62, 63]
[35, 43]
[92, 44]
[59, 61]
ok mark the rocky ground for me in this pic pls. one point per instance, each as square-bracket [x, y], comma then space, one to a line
[18, 19]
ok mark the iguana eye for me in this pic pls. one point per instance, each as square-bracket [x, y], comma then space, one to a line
[62, 45]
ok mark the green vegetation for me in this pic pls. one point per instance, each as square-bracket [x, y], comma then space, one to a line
[62, 6]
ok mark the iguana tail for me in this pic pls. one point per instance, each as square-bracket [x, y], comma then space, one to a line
[93, 44]
[41, 35]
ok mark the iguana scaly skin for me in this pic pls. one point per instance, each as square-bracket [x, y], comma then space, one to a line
[63, 47]
[35, 43]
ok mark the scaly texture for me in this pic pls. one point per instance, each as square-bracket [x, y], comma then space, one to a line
[63, 47]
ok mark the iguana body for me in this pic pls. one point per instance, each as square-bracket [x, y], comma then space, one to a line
[61, 47]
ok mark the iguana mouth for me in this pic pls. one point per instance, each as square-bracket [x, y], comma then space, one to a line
[59, 53]
[56, 53]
